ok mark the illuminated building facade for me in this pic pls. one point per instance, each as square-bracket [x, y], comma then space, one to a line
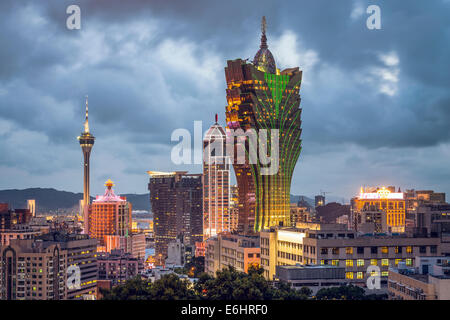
[334, 244]
[81, 252]
[31, 206]
[380, 210]
[261, 97]
[33, 270]
[177, 204]
[216, 183]
[109, 215]
[237, 251]
[86, 142]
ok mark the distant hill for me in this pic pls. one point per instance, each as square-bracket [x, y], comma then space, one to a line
[48, 199]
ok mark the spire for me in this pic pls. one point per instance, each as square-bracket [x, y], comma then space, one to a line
[217, 119]
[263, 33]
[86, 122]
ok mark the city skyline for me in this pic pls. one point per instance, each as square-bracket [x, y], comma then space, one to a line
[375, 78]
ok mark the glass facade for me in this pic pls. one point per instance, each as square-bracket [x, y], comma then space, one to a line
[259, 99]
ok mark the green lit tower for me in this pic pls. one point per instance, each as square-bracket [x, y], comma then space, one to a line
[86, 142]
[260, 96]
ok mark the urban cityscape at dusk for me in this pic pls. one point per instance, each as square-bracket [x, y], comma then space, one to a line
[224, 150]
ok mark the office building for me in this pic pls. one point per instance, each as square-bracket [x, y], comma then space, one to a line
[428, 280]
[177, 204]
[314, 277]
[237, 251]
[260, 96]
[216, 183]
[319, 201]
[334, 244]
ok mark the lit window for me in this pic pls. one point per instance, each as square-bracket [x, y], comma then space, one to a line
[349, 275]
[335, 262]
[373, 262]
[409, 249]
[384, 250]
[397, 261]
[349, 263]
[349, 250]
[385, 273]
[409, 262]
[384, 262]
[359, 275]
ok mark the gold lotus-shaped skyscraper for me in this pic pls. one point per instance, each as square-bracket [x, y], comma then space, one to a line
[260, 96]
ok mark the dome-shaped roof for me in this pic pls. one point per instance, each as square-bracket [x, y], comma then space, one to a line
[264, 60]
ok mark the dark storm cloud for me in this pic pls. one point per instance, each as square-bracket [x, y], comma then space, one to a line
[150, 67]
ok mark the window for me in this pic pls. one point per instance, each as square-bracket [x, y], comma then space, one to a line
[397, 261]
[360, 250]
[433, 249]
[409, 249]
[373, 262]
[349, 250]
[335, 263]
[360, 262]
[374, 250]
[408, 262]
[385, 273]
[349, 263]
[324, 250]
[423, 249]
[335, 251]
[398, 249]
[359, 275]
[384, 250]
[349, 275]
[385, 262]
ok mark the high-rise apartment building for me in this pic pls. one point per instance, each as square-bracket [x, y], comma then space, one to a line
[82, 255]
[33, 270]
[86, 142]
[216, 183]
[177, 204]
[109, 215]
[261, 97]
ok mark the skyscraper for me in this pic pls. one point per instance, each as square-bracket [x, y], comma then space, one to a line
[86, 142]
[109, 215]
[216, 183]
[261, 97]
[176, 201]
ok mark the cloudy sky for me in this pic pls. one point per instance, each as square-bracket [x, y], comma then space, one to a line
[376, 103]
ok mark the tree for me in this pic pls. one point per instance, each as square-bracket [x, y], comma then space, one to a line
[349, 292]
[232, 285]
[169, 287]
